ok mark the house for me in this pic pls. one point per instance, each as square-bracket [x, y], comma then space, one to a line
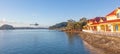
[111, 22]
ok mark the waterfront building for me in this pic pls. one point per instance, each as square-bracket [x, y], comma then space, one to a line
[111, 22]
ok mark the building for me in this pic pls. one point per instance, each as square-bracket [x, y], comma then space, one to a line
[111, 22]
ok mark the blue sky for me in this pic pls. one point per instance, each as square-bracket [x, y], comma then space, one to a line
[49, 12]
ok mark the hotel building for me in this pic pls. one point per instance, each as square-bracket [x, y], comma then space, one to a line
[109, 23]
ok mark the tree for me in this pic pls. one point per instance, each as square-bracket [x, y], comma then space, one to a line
[77, 25]
[83, 22]
[70, 24]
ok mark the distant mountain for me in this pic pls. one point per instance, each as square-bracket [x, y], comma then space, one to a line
[58, 25]
[10, 27]
[30, 28]
[6, 27]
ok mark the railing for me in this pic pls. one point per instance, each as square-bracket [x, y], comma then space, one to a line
[104, 33]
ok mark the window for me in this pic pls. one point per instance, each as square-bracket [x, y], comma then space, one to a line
[118, 15]
[116, 27]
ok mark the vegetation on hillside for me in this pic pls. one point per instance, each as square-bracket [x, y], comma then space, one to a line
[71, 25]
[58, 25]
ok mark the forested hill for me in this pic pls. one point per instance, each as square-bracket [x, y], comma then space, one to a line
[58, 25]
[70, 24]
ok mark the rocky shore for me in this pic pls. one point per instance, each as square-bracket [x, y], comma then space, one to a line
[109, 44]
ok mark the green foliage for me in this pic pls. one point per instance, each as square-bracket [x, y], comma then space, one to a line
[71, 24]
[83, 21]
[77, 25]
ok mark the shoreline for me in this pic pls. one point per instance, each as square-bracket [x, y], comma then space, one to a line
[109, 44]
[92, 49]
[106, 44]
[71, 31]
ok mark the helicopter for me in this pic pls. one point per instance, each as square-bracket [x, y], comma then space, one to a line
[36, 24]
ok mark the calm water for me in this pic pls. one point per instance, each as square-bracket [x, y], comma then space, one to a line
[41, 41]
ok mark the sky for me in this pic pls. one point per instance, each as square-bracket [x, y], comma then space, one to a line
[50, 12]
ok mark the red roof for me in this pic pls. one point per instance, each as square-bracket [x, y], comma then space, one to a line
[110, 21]
[97, 19]
[112, 13]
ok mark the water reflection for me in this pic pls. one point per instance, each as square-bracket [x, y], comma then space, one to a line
[70, 37]
[75, 42]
